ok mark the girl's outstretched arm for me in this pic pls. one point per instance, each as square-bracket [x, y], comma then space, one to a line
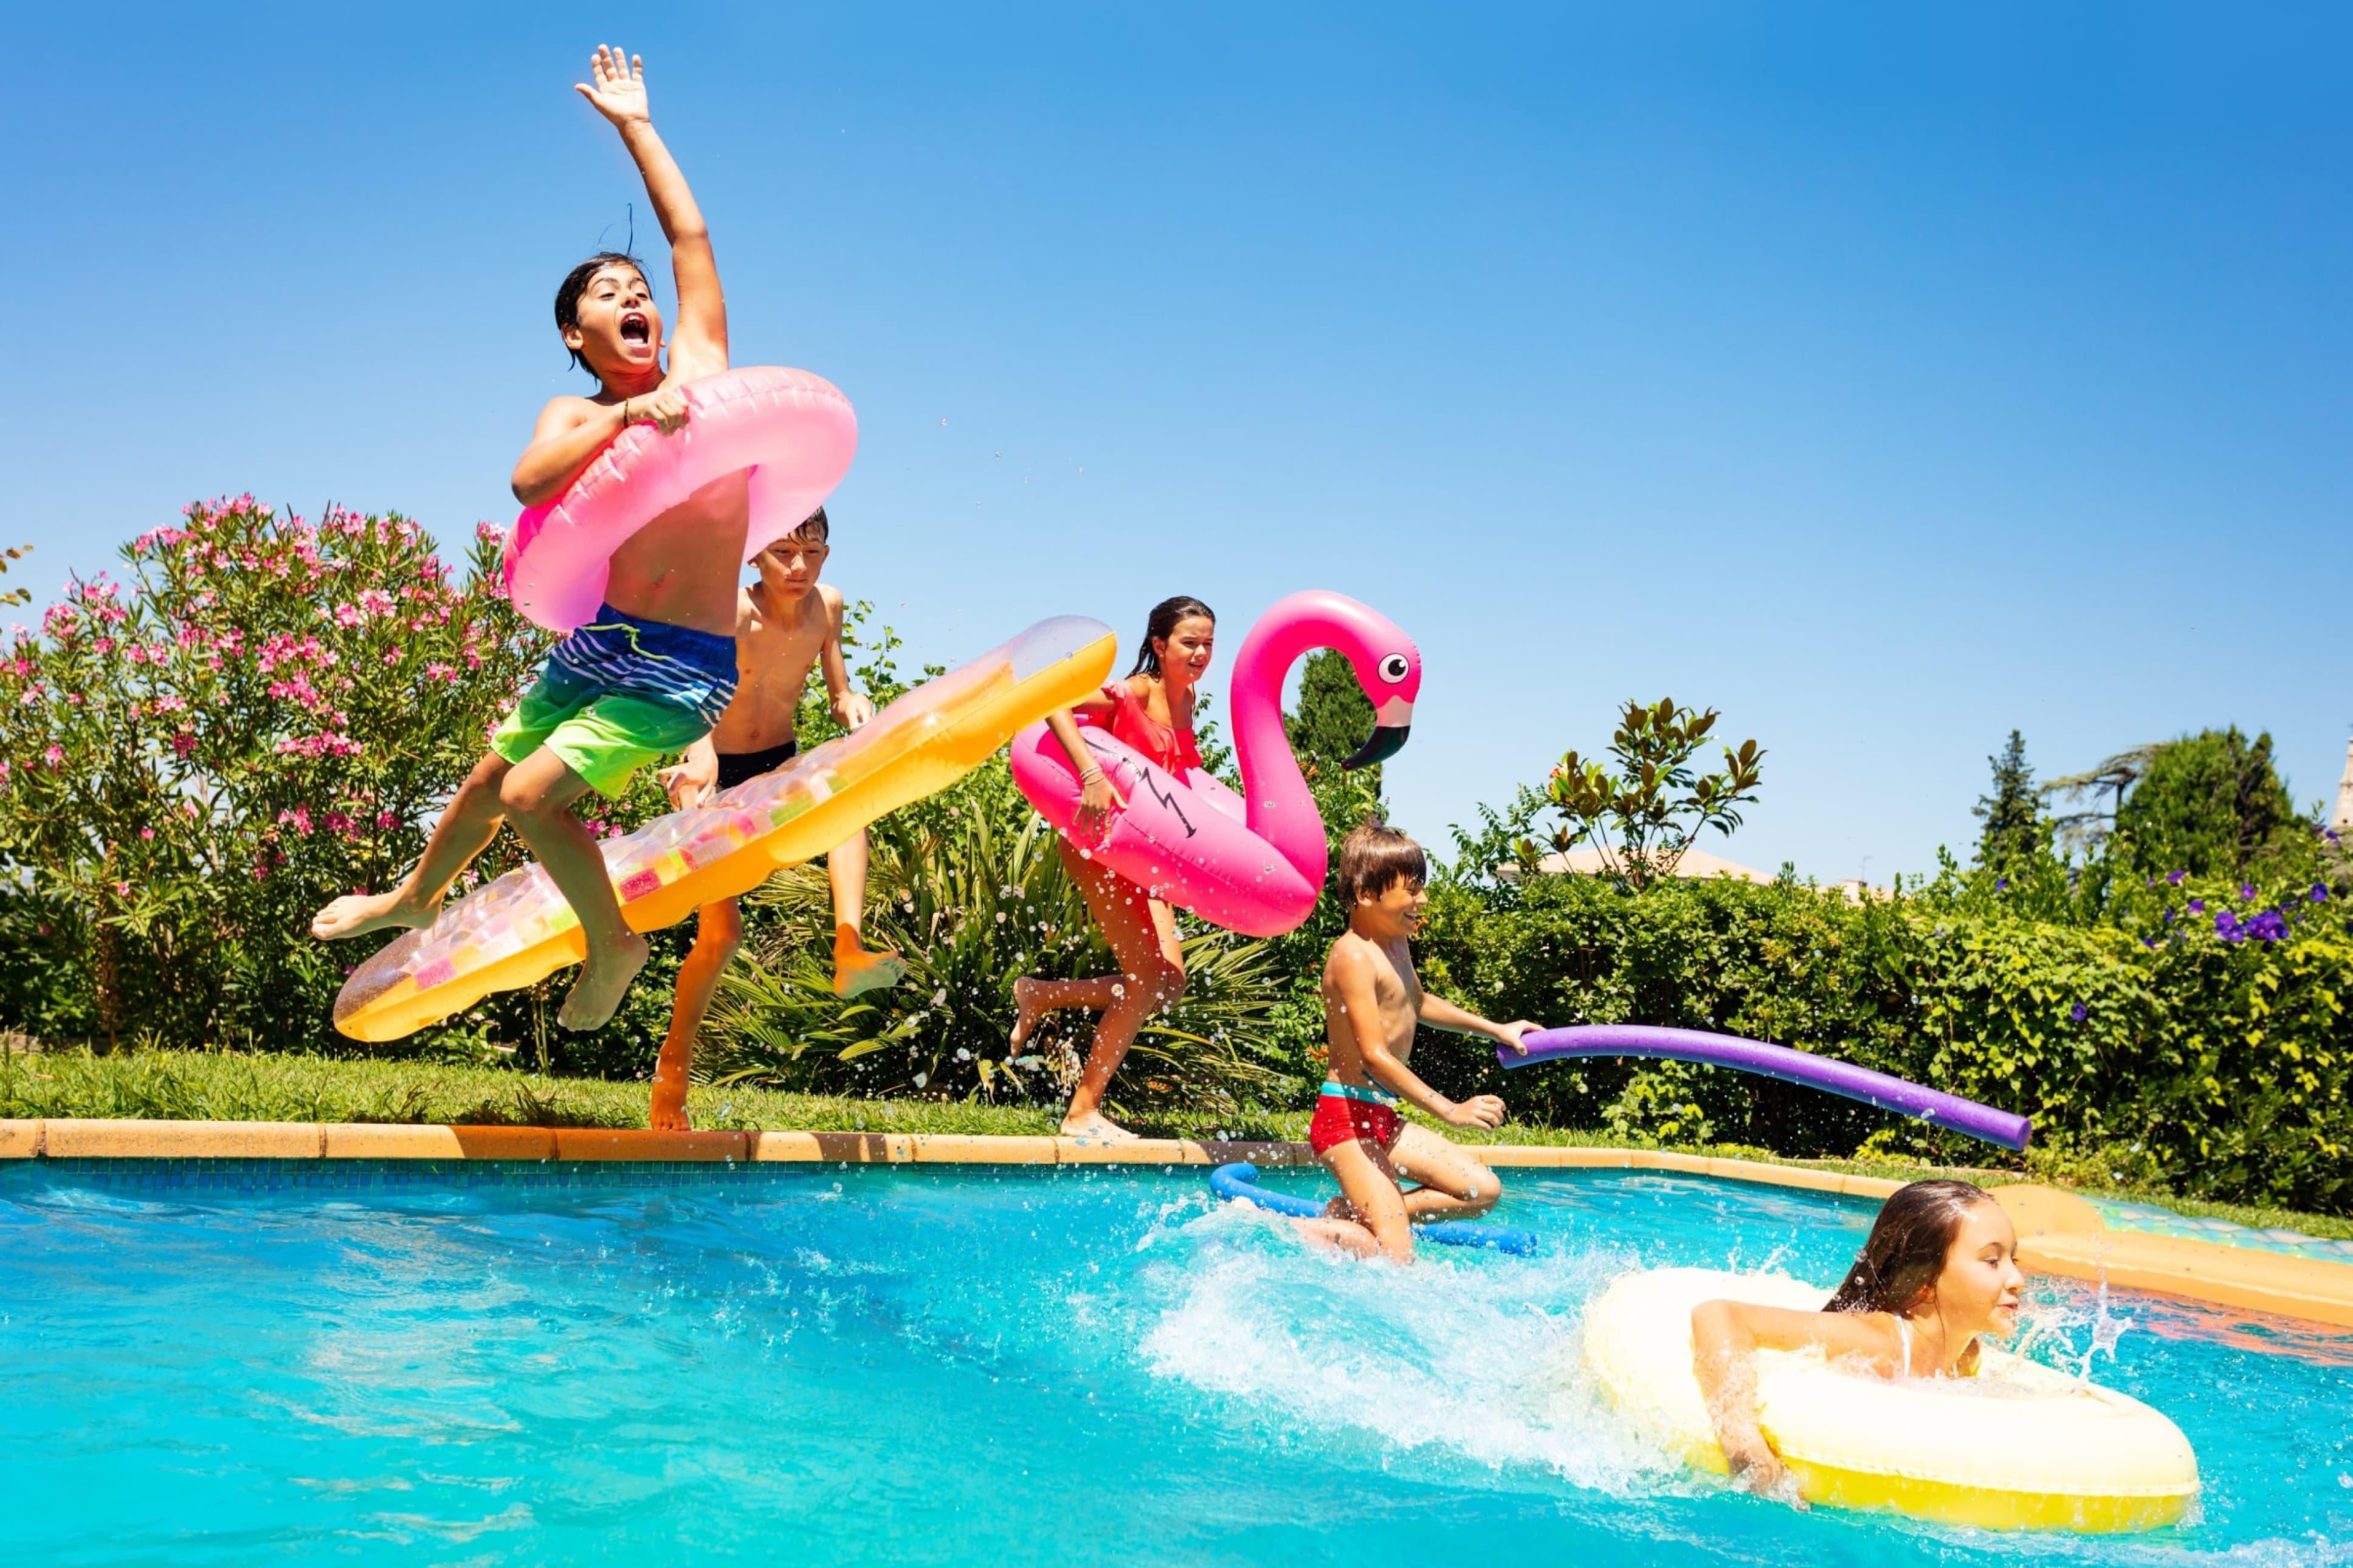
[1725, 1338]
[699, 346]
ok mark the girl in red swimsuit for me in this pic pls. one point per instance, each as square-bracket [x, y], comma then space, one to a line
[1152, 712]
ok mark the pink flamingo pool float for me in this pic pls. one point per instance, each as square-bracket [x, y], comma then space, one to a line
[1256, 865]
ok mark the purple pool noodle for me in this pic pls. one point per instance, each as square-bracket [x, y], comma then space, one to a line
[1930, 1105]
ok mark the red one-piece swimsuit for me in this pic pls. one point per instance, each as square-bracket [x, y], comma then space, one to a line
[1132, 723]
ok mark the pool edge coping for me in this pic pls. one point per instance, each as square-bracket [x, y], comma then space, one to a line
[2059, 1232]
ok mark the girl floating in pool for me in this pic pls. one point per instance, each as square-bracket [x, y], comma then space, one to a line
[1939, 1269]
[1152, 711]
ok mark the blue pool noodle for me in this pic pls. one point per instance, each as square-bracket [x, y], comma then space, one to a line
[1240, 1180]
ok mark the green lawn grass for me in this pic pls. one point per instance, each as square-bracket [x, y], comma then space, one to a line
[228, 1086]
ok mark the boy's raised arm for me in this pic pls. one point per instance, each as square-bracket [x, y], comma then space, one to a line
[619, 94]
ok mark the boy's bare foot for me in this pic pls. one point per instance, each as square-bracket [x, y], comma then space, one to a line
[668, 1111]
[597, 993]
[1095, 1124]
[857, 971]
[356, 914]
[1026, 1014]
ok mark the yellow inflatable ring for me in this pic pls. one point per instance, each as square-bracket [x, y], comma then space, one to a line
[2017, 1447]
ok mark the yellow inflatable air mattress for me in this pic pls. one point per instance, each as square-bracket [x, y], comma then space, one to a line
[518, 929]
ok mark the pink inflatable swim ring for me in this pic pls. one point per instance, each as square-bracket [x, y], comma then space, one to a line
[1253, 863]
[793, 431]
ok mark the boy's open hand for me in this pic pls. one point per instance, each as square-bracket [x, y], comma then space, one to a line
[1478, 1111]
[1515, 1034]
[619, 94]
[689, 782]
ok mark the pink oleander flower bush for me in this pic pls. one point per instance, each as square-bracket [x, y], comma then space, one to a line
[258, 713]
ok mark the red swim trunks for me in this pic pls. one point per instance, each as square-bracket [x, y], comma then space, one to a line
[1339, 1120]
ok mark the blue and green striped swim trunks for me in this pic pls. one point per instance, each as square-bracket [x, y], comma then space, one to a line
[621, 692]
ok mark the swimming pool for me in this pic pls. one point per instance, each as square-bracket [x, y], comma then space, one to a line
[601, 1363]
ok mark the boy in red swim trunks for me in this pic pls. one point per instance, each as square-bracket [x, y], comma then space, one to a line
[656, 668]
[786, 624]
[1372, 1001]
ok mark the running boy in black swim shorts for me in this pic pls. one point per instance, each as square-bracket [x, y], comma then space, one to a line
[656, 667]
[786, 624]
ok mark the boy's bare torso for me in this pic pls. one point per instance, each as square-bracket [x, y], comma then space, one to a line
[777, 646]
[1396, 987]
[662, 571]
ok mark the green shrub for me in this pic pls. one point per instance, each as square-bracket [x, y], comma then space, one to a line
[974, 901]
[267, 713]
[2214, 1060]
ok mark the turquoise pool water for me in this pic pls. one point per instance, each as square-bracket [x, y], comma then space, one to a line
[600, 1364]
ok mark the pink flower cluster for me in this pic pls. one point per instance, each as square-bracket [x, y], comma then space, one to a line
[327, 743]
[285, 647]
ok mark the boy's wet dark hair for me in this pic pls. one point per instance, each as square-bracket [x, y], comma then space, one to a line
[1907, 1246]
[575, 283]
[1373, 857]
[814, 526]
[1162, 623]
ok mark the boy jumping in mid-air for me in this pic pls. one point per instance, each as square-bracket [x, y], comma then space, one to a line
[656, 668]
[786, 624]
[1372, 1000]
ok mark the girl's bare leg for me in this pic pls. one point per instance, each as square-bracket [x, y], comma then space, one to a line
[1034, 998]
[1142, 935]
[718, 932]
[468, 825]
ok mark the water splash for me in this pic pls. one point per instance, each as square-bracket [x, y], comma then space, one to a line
[1474, 1360]
[2050, 1320]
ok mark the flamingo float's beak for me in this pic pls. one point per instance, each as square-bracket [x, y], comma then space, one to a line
[1393, 721]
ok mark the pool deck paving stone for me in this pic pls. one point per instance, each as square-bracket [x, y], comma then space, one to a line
[2059, 1232]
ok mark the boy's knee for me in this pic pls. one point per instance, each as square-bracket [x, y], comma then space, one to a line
[484, 788]
[517, 797]
[1485, 1190]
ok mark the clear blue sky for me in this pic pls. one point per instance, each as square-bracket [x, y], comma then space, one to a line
[1884, 381]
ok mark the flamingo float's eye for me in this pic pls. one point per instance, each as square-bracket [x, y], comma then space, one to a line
[1394, 667]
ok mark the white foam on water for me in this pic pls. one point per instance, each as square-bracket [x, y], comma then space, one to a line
[1473, 1354]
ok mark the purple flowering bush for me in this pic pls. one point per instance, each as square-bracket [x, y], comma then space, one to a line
[263, 712]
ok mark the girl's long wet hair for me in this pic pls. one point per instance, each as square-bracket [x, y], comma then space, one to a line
[1163, 624]
[1907, 1246]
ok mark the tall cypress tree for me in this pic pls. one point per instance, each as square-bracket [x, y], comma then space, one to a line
[2014, 828]
[1332, 720]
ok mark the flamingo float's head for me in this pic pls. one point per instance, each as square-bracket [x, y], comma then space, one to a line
[1388, 666]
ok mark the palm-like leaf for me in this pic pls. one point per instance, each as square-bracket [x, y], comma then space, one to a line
[972, 901]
